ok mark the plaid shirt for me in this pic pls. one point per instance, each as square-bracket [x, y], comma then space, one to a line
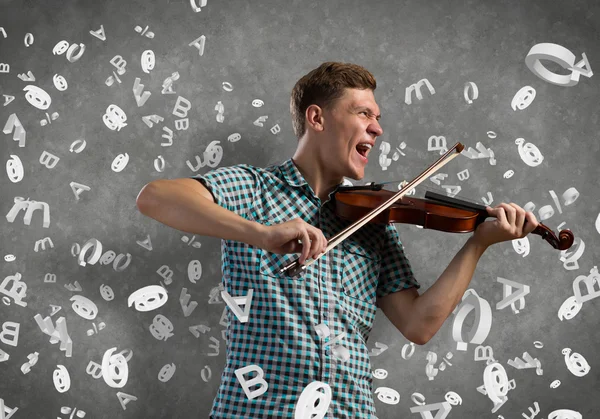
[339, 290]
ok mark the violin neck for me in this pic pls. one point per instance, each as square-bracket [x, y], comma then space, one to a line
[455, 202]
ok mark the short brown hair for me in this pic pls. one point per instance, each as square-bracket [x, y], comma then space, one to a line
[323, 86]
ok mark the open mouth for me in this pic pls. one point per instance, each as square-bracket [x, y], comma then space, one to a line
[362, 153]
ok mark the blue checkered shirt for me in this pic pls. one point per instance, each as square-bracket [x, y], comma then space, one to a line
[339, 290]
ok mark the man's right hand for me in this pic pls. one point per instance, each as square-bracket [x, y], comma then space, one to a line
[284, 238]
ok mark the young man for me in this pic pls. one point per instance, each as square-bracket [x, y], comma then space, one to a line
[263, 213]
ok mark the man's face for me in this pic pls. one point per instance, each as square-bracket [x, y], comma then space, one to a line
[353, 120]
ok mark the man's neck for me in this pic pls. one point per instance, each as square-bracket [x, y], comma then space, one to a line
[314, 172]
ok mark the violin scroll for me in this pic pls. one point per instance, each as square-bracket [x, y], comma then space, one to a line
[562, 242]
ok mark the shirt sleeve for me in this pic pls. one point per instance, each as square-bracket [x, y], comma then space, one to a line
[235, 188]
[395, 273]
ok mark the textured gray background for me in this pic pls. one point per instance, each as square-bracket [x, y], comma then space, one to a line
[262, 48]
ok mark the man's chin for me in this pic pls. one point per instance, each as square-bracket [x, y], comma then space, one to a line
[354, 171]
[359, 177]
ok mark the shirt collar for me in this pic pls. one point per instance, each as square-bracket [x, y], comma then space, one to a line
[292, 174]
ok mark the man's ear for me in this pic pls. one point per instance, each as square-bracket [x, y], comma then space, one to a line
[314, 117]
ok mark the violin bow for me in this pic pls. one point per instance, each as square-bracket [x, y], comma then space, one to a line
[294, 268]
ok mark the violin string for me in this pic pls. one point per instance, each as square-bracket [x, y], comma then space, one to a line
[459, 196]
[437, 189]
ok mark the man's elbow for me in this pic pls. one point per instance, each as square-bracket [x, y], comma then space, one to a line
[419, 339]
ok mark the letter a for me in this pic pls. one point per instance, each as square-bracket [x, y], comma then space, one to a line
[234, 302]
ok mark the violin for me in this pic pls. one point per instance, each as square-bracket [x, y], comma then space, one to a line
[373, 204]
[436, 212]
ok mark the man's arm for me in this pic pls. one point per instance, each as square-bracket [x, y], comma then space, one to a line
[183, 207]
[433, 307]
[427, 312]
[419, 317]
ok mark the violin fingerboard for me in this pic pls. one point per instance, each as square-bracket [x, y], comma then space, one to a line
[368, 187]
[458, 203]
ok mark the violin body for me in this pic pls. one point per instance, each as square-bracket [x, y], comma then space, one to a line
[408, 210]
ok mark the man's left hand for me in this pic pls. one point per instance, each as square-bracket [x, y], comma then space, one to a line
[512, 222]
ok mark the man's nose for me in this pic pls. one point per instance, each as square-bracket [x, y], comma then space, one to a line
[375, 129]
